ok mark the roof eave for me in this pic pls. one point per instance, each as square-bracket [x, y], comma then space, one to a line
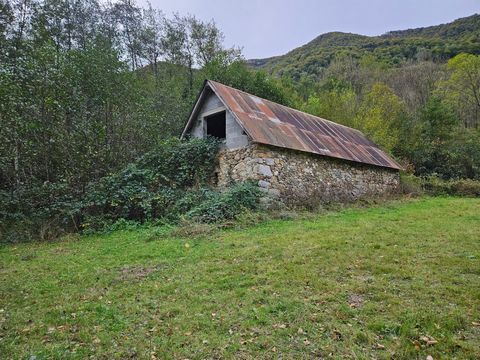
[194, 110]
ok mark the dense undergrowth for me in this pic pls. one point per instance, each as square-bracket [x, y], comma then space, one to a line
[172, 182]
[435, 186]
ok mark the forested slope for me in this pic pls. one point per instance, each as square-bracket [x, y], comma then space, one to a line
[438, 43]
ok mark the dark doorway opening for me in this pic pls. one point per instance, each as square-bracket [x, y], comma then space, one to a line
[216, 125]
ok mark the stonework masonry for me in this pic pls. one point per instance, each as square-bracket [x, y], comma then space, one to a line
[301, 179]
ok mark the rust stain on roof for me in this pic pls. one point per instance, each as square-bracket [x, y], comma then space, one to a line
[273, 124]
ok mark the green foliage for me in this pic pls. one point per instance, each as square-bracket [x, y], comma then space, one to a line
[379, 116]
[462, 88]
[227, 204]
[462, 187]
[410, 184]
[338, 104]
[442, 147]
[151, 187]
[435, 186]
[86, 89]
[165, 184]
[44, 211]
[239, 76]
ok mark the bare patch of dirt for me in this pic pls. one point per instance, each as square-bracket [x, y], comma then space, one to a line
[137, 272]
[355, 301]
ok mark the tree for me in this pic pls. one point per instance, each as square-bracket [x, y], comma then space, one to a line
[380, 116]
[151, 36]
[193, 44]
[338, 103]
[129, 21]
[462, 88]
[238, 75]
[414, 82]
[432, 135]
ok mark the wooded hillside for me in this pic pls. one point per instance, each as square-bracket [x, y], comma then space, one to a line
[435, 43]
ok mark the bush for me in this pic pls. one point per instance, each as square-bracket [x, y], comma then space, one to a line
[43, 211]
[410, 184]
[228, 204]
[462, 187]
[436, 186]
[150, 187]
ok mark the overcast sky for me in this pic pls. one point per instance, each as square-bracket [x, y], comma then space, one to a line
[273, 27]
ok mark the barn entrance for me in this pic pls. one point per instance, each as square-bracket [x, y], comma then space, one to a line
[217, 125]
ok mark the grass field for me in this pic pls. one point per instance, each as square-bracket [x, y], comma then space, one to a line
[401, 280]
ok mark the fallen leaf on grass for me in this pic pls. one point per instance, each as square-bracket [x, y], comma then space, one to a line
[336, 335]
[380, 347]
[475, 323]
[416, 344]
[428, 340]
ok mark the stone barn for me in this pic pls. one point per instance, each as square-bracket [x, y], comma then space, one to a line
[295, 157]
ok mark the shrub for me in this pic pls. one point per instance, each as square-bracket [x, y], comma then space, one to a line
[228, 204]
[182, 164]
[466, 187]
[43, 211]
[166, 185]
[410, 184]
[151, 187]
[462, 187]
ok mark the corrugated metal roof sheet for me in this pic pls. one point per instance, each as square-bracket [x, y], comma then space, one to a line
[270, 123]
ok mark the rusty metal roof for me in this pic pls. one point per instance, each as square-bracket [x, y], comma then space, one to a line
[270, 123]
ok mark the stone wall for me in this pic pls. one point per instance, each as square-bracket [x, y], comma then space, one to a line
[297, 178]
